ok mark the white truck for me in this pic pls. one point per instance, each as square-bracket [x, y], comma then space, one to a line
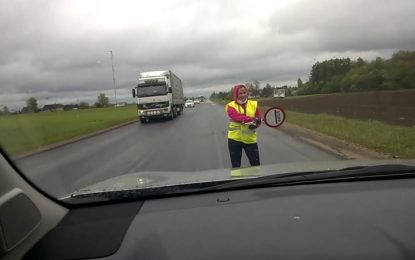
[159, 94]
[279, 93]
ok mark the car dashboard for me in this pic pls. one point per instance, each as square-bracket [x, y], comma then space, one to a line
[343, 220]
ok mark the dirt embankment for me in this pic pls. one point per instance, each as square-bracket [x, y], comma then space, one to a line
[392, 107]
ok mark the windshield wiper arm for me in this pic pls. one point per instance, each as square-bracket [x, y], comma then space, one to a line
[345, 174]
[85, 196]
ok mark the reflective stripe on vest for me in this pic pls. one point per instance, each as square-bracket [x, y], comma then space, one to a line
[238, 131]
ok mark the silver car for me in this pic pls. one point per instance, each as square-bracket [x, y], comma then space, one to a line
[189, 103]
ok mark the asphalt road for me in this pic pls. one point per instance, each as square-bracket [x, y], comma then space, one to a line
[194, 141]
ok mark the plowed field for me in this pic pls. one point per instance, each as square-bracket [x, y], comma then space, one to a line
[392, 107]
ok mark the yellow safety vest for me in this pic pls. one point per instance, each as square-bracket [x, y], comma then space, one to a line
[239, 131]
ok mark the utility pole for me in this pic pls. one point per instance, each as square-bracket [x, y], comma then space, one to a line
[113, 77]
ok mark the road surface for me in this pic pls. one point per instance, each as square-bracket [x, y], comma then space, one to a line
[194, 141]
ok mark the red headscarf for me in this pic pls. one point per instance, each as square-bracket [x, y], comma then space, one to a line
[235, 93]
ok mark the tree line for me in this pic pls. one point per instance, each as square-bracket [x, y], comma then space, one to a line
[345, 75]
[255, 91]
[33, 107]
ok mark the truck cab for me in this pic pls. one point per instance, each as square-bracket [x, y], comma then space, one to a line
[159, 94]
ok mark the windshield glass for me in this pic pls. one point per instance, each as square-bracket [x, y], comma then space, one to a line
[94, 97]
[151, 90]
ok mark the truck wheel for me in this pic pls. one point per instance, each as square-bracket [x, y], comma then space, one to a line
[143, 120]
[174, 112]
[171, 116]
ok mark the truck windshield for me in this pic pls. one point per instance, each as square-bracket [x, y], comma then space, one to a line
[155, 89]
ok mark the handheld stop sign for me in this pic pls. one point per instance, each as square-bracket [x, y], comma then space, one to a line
[274, 117]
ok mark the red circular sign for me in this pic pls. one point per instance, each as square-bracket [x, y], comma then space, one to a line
[274, 117]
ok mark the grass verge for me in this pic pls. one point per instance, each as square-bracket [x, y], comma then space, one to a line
[381, 137]
[26, 132]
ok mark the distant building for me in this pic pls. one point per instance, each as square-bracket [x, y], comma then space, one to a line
[25, 110]
[53, 108]
[70, 107]
[121, 104]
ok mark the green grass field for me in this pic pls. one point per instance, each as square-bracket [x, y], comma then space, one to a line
[388, 139]
[26, 132]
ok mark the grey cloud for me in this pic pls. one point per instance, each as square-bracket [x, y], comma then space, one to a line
[44, 49]
[349, 25]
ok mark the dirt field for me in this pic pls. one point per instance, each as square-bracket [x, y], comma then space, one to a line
[392, 107]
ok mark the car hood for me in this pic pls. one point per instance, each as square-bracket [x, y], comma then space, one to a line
[154, 179]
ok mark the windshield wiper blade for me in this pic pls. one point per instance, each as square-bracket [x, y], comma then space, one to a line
[345, 174]
[86, 195]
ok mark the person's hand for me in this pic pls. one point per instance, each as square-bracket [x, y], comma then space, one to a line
[257, 120]
[252, 127]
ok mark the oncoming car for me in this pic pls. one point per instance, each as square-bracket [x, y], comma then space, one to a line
[189, 103]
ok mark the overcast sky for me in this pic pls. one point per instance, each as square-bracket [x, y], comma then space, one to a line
[59, 51]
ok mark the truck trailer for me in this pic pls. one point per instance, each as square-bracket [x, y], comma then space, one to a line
[159, 94]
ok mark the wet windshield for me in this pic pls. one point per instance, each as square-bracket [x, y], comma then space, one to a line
[94, 97]
[151, 90]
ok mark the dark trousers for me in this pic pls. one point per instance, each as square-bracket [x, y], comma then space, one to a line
[235, 151]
